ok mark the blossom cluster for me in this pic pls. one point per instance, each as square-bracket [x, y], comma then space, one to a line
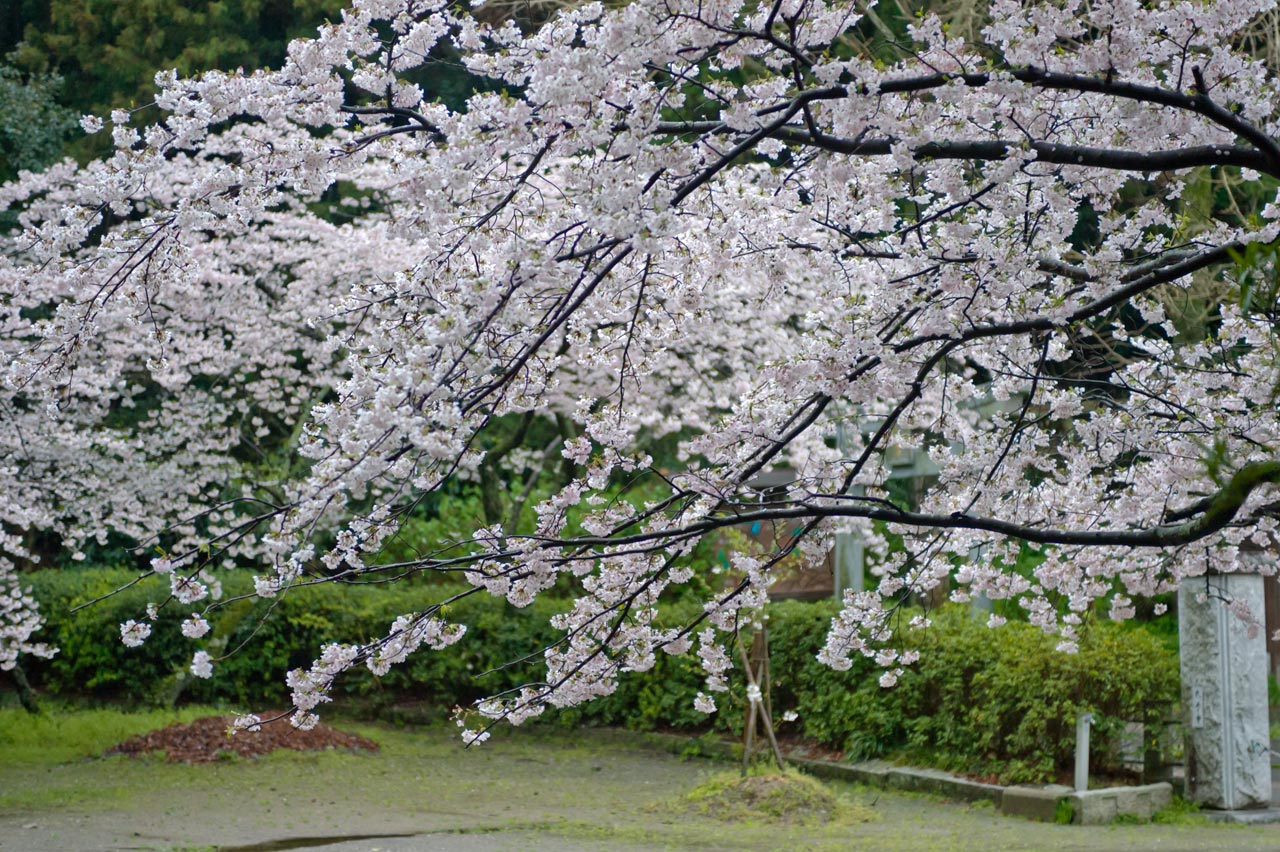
[19, 619]
[720, 224]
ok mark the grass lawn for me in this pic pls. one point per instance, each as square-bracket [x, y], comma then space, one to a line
[536, 789]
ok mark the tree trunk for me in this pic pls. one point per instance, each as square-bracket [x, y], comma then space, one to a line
[26, 695]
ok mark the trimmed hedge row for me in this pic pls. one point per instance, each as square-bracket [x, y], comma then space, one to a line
[1002, 702]
[989, 701]
[274, 636]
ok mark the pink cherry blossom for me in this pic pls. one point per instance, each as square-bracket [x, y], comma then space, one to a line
[718, 224]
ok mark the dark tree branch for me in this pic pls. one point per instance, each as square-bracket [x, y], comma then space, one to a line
[1046, 152]
[1220, 510]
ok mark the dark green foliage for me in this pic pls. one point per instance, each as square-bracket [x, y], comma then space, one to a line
[93, 664]
[998, 701]
[989, 701]
[91, 661]
[110, 50]
[33, 127]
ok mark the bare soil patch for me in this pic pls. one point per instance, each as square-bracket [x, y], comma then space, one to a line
[206, 740]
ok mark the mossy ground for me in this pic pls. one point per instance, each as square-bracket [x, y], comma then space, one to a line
[62, 735]
[531, 789]
[772, 797]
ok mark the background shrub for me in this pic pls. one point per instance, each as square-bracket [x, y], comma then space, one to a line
[1000, 702]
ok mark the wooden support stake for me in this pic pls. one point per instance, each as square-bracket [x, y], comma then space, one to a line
[759, 707]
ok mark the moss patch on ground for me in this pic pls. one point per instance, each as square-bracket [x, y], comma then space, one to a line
[785, 798]
[536, 790]
[62, 735]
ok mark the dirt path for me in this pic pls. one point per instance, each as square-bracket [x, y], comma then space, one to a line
[526, 790]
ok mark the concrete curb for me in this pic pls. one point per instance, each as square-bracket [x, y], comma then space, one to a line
[873, 773]
[1268, 816]
[1042, 804]
[944, 784]
[1099, 807]
[1046, 804]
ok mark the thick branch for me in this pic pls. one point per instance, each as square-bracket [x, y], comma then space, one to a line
[1046, 152]
[1219, 512]
[1263, 155]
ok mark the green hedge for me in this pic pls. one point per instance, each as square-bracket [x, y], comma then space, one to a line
[94, 665]
[1001, 702]
[989, 701]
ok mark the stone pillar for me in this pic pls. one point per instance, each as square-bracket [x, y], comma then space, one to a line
[1224, 693]
[850, 560]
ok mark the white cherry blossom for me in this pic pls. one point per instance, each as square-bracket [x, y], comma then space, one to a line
[720, 224]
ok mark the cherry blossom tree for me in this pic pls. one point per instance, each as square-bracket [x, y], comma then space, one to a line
[746, 224]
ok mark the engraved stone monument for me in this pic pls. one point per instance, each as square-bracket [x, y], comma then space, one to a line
[1224, 692]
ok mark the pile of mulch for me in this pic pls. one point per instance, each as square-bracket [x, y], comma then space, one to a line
[206, 740]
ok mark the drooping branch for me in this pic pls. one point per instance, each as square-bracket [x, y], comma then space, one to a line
[1217, 514]
[919, 253]
[1045, 152]
[1263, 156]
